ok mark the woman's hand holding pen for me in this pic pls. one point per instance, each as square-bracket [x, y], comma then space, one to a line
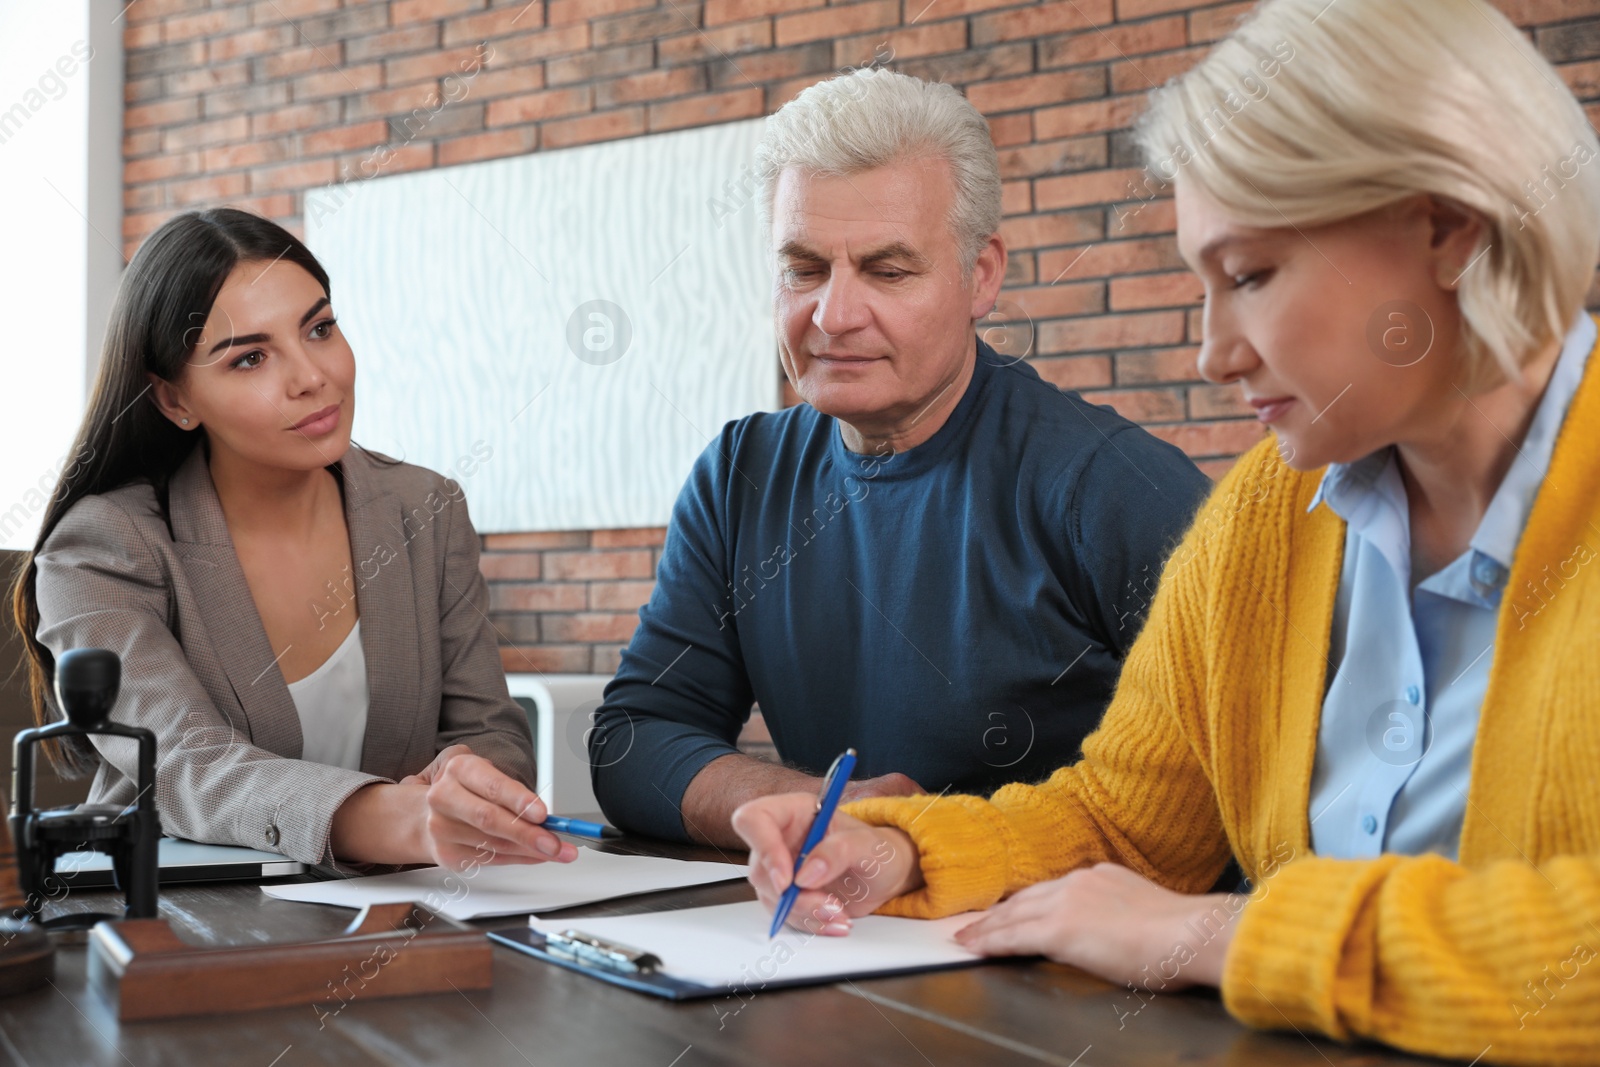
[853, 871]
[472, 806]
[459, 810]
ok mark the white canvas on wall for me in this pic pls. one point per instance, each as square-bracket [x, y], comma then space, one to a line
[562, 332]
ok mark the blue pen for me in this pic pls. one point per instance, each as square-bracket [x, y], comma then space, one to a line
[579, 828]
[832, 789]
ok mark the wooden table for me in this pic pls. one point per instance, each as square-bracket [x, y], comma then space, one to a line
[1007, 1012]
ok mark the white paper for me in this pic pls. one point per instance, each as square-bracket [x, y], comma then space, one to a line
[515, 889]
[727, 944]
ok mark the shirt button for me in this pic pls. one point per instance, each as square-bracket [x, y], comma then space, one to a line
[272, 835]
[1486, 572]
[1369, 823]
[1413, 696]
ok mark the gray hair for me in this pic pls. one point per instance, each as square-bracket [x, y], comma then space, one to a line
[872, 117]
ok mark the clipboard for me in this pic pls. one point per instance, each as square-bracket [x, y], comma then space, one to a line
[637, 969]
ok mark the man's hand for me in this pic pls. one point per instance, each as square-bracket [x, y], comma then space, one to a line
[885, 785]
[728, 781]
[1115, 923]
[854, 870]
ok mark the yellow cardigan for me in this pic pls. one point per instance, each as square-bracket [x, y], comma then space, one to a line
[1208, 747]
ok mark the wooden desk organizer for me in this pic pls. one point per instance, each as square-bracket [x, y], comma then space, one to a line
[390, 950]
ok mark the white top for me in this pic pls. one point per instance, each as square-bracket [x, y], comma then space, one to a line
[332, 703]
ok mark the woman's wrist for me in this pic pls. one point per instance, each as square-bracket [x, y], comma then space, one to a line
[382, 822]
[905, 863]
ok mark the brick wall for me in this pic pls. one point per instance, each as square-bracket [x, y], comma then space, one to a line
[251, 103]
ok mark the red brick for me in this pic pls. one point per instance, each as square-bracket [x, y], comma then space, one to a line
[300, 175]
[705, 110]
[1093, 187]
[641, 537]
[342, 82]
[1164, 365]
[1074, 372]
[554, 659]
[545, 539]
[431, 65]
[651, 85]
[1177, 289]
[714, 45]
[1035, 90]
[215, 187]
[1111, 332]
[1053, 157]
[607, 659]
[1215, 23]
[556, 41]
[1061, 299]
[204, 24]
[619, 596]
[1016, 128]
[295, 118]
[598, 566]
[1110, 258]
[205, 80]
[405, 12]
[1016, 198]
[385, 102]
[161, 113]
[252, 43]
[238, 156]
[1039, 20]
[501, 566]
[1128, 10]
[606, 126]
[530, 107]
[200, 134]
[836, 21]
[1143, 73]
[1143, 406]
[516, 17]
[392, 43]
[1218, 402]
[497, 144]
[907, 42]
[1074, 120]
[344, 138]
[1143, 217]
[1213, 438]
[156, 168]
[718, 12]
[1114, 42]
[1042, 231]
[561, 11]
[524, 78]
[557, 596]
[587, 626]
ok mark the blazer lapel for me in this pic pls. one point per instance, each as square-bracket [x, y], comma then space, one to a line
[386, 598]
[200, 535]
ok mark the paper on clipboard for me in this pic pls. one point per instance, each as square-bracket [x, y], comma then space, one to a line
[726, 945]
[515, 889]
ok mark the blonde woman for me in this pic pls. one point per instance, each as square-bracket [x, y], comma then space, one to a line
[1370, 672]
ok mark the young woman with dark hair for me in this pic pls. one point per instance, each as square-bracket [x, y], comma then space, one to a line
[300, 621]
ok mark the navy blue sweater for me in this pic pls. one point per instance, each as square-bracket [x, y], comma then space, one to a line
[957, 612]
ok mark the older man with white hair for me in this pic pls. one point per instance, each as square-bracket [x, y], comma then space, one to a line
[939, 559]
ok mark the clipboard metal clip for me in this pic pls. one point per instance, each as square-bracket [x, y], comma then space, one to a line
[588, 949]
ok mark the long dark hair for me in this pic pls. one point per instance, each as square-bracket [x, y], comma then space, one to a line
[164, 297]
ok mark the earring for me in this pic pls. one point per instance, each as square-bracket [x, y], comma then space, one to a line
[185, 421]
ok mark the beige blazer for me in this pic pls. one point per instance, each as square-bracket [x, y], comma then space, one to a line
[164, 590]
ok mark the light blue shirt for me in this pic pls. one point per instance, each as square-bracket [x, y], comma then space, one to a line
[1394, 748]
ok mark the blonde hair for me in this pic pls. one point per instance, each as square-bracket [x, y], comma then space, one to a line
[872, 117]
[1312, 112]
